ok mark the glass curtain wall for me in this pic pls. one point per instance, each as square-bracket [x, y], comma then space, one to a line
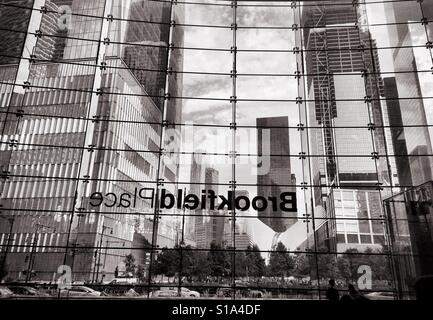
[216, 148]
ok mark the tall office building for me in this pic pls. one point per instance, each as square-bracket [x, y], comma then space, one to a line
[409, 212]
[196, 174]
[409, 83]
[195, 219]
[242, 239]
[397, 132]
[330, 36]
[14, 23]
[391, 169]
[141, 51]
[279, 178]
[247, 219]
[242, 226]
[71, 142]
[357, 214]
[214, 224]
[209, 227]
[211, 181]
[339, 74]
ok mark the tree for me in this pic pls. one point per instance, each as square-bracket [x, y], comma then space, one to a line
[380, 264]
[377, 260]
[327, 264]
[343, 265]
[141, 273]
[219, 261]
[200, 266]
[167, 262]
[255, 263]
[352, 259]
[349, 262]
[280, 262]
[129, 264]
[240, 264]
[187, 257]
[302, 265]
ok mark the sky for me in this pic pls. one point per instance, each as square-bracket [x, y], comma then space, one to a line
[220, 113]
[210, 139]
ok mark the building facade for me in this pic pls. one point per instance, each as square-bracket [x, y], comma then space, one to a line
[344, 89]
[328, 101]
[279, 177]
[51, 172]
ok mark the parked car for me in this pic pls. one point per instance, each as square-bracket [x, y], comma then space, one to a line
[124, 280]
[79, 291]
[116, 290]
[132, 293]
[27, 291]
[380, 296]
[224, 293]
[165, 293]
[5, 292]
[185, 292]
[256, 294]
[174, 292]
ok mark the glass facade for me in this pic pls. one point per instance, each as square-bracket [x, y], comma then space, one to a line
[213, 148]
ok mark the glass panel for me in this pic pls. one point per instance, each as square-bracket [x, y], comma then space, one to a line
[159, 149]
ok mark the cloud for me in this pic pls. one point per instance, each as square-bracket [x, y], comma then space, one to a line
[217, 86]
[202, 86]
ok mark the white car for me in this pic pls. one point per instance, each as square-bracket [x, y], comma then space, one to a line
[165, 293]
[79, 291]
[380, 296]
[174, 292]
[189, 293]
[5, 293]
[124, 281]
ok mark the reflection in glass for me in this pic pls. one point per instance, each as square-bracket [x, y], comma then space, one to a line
[159, 149]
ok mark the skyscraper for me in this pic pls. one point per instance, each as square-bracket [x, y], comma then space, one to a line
[397, 131]
[415, 114]
[211, 181]
[209, 227]
[409, 212]
[14, 23]
[242, 238]
[196, 174]
[336, 78]
[194, 221]
[343, 81]
[357, 214]
[73, 141]
[279, 178]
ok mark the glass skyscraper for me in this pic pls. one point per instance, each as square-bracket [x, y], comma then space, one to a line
[344, 87]
[68, 138]
[238, 149]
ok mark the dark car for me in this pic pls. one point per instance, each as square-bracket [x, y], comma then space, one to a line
[256, 294]
[224, 293]
[423, 288]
